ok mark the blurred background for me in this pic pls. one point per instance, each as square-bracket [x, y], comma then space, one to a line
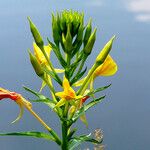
[124, 114]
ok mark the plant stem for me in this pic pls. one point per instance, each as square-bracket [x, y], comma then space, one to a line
[86, 81]
[65, 128]
[64, 145]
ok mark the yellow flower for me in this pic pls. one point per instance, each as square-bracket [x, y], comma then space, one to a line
[108, 68]
[67, 95]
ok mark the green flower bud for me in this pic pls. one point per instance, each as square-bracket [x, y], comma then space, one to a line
[89, 46]
[105, 51]
[87, 32]
[67, 41]
[37, 37]
[36, 65]
[56, 30]
[79, 35]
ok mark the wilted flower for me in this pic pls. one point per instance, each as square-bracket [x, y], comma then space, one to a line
[17, 98]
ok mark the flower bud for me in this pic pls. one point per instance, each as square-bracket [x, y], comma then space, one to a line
[79, 35]
[36, 65]
[105, 51]
[56, 30]
[37, 37]
[87, 32]
[67, 41]
[89, 46]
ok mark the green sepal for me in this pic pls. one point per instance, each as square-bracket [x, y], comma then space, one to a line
[30, 134]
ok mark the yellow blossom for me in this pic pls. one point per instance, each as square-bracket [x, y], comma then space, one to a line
[108, 68]
[67, 95]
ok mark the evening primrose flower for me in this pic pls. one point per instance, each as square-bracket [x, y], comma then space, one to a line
[108, 68]
[67, 95]
[17, 98]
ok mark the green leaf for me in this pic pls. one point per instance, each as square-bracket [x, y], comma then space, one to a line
[78, 76]
[31, 134]
[77, 141]
[98, 90]
[39, 95]
[58, 54]
[47, 101]
[52, 74]
[41, 98]
[83, 109]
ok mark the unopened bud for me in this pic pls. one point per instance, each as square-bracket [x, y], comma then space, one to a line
[89, 46]
[87, 32]
[105, 51]
[37, 37]
[67, 41]
[36, 65]
[56, 30]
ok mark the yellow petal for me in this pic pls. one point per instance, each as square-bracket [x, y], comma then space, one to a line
[60, 94]
[39, 55]
[60, 103]
[66, 84]
[68, 90]
[108, 68]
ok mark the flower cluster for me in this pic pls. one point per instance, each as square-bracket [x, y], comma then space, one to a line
[73, 42]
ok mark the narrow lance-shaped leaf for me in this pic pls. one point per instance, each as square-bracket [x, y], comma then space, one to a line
[31, 134]
[39, 95]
